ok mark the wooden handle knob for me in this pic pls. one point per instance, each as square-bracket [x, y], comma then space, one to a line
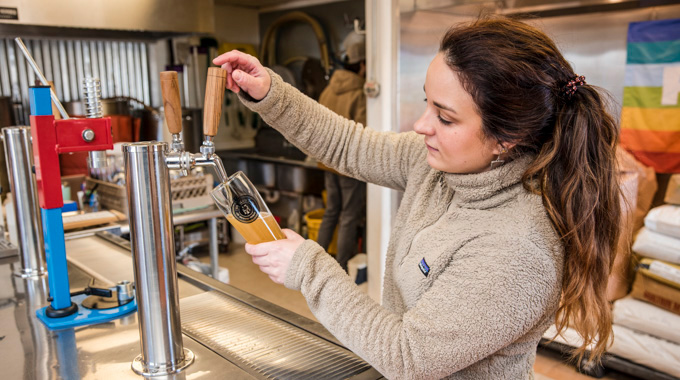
[214, 94]
[171, 103]
[55, 110]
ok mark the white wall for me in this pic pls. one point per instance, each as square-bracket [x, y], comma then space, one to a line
[595, 45]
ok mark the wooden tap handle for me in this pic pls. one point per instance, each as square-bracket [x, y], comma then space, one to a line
[214, 95]
[171, 103]
[55, 109]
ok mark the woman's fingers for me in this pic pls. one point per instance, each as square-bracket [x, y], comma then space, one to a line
[256, 84]
[274, 257]
[235, 58]
[244, 72]
[291, 235]
[275, 279]
[260, 260]
[273, 271]
[228, 69]
[261, 249]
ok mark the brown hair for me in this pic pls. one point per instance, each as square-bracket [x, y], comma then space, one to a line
[517, 76]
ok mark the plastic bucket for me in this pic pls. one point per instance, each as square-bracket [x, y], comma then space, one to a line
[313, 220]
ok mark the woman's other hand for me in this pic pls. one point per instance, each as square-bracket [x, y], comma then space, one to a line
[245, 72]
[274, 257]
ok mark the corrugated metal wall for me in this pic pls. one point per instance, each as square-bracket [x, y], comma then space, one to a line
[121, 66]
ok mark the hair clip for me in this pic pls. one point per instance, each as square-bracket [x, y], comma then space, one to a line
[573, 85]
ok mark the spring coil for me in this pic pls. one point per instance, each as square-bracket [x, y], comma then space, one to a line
[92, 93]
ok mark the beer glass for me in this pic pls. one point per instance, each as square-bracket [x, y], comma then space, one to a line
[244, 208]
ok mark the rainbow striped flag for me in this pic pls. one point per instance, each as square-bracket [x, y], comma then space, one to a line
[650, 117]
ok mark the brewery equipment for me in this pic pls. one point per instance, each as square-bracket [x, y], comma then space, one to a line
[19, 157]
[147, 166]
[50, 138]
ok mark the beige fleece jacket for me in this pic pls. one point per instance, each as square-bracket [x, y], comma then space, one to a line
[473, 270]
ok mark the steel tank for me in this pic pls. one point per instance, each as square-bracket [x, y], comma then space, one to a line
[19, 157]
[153, 251]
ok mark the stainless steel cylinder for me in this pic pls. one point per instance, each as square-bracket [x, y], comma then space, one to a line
[19, 156]
[124, 291]
[97, 159]
[153, 251]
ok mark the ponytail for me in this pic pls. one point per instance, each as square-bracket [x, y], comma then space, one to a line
[578, 179]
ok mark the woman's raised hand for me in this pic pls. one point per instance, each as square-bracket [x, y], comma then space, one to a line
[245, 72]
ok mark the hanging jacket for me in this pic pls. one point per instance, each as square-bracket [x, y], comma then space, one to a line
[344, 95]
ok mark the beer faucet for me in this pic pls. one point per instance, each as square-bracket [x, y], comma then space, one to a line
[152, 238]
[178, 158]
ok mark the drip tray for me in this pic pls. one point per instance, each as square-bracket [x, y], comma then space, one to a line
[264, 346]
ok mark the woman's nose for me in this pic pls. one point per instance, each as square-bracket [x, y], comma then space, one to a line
[421, 125]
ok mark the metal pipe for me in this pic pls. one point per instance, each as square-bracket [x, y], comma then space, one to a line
[97, 159]
[213, 161]
[153, 251]
[19, 156]
[214, 249]
[197, 84]
[185, 161]
[43, 80]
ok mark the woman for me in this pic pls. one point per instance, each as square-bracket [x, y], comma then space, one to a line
[508, 221]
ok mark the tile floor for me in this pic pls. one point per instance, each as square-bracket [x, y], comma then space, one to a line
[246, 276]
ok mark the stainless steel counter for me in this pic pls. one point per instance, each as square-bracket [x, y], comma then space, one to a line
[263, 344]
[31, 351]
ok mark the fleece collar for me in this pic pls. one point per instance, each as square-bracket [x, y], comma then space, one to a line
[490, 188]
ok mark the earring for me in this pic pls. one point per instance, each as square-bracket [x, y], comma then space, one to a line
[498, 160]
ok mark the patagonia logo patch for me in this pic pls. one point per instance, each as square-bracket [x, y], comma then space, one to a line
[424, 267]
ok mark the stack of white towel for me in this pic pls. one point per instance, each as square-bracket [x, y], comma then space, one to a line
[660, 237]
[647, 322]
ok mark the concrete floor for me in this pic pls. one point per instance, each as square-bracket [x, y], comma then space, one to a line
[246, 276]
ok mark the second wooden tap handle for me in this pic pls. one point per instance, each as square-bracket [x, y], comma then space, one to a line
[214, 94]
[171, 103]
[55, 109]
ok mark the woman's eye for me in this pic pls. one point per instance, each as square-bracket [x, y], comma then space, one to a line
[425, 100]
[443, 121]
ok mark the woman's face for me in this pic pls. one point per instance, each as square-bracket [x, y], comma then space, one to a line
[452, 126]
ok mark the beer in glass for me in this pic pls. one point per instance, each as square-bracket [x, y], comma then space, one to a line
[244, 208]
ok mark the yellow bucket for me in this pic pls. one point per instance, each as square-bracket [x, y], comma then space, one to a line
[313, 220]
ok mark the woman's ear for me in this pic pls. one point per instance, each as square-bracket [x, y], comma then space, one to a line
[503, 147]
